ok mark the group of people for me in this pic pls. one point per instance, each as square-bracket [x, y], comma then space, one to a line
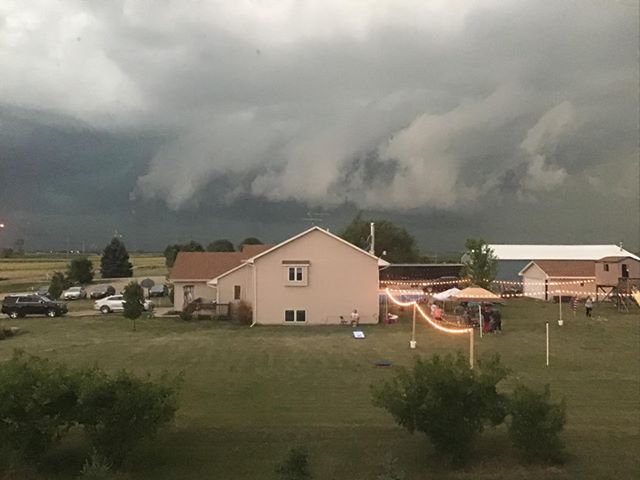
[491, 317]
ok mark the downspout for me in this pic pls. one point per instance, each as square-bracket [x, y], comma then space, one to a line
[255, 296]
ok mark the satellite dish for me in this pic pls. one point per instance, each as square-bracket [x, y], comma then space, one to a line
[147, 283]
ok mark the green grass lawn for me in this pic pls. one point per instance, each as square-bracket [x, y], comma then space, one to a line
[250, 394]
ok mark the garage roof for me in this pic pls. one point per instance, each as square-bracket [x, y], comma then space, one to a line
[558, 252]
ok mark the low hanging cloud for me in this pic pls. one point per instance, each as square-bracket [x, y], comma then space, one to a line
[398, 106]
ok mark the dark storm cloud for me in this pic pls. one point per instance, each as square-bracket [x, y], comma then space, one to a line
[241, 115]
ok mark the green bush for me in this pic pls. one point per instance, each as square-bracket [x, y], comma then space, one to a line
[96, 468]
[186, 316]
[221, 318]
[295, 466]
[447, 400]
[241, 312]
[119, 411]
[38, 401]
[536, 424]
[390, 469]
[80, 270]
[59, 282]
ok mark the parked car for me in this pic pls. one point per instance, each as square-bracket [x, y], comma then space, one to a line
[102, 291]
[74, 293]
[44, 292]
[115, 303]
[20, 305]
[158, 291]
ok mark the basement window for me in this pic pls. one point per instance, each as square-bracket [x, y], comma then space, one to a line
[295, 316]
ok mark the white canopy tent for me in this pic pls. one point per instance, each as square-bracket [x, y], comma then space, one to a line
[446, 295]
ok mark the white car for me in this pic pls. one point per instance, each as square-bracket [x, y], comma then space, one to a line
[74, 293]
[115, 303]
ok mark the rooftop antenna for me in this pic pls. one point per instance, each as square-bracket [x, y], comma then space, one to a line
[620, 244]
[315, 217]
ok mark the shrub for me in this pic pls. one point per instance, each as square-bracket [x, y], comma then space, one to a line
[295, 466]
[186, 316]
[80, 270]
[390, 469]
[58, 283]
[241, 312]
[221, 318]
[38, 401]
[536, 424]
[447, 400]
[95, 468]
[118, 412]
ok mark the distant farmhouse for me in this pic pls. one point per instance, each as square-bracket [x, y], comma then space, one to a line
[550, 271]
[512, 259]
[312, 278]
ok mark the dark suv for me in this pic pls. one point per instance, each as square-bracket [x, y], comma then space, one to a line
[20, 305]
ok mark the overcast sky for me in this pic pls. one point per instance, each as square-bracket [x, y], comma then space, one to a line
[170, 120]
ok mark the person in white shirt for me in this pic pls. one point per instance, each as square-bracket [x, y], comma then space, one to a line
[355, 318]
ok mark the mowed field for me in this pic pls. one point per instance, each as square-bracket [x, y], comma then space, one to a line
[24, 273]
[251, 393]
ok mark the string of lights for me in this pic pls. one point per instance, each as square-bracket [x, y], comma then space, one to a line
[555, 292]
[466, 280]
[432, 322]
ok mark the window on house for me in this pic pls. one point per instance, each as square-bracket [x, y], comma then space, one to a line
[606, 267]
[296, 274]
[625, 270]
[295, 316]
[236, 292]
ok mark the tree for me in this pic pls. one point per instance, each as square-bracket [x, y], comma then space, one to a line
[480, 263]
[80, 270]
[133, 297]
[114, 262]
[171, 252]
[58, 284]
[536, 424]
[221, 245]
[250, 241]
[446, 400]
[399, 244]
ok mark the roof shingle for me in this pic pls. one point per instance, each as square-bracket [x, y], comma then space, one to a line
[207, 265]
[568, 268]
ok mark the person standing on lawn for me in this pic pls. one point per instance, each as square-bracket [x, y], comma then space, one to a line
[588, 306]
[355, 318]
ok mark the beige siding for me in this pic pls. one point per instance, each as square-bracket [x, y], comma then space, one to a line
[242, 277]
[615, 271]
[200, 290]
[531, 280]
[339, 279]
[572, 289]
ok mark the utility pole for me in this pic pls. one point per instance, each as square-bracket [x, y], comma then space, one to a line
[372, 233]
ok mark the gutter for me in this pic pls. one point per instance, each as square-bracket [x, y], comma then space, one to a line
[255, 296]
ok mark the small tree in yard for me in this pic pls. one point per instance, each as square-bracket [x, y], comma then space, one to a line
[536, 424]
[58, 284]
[119, 411]
[446, 400]
[480, 263]
[38, 402]
[133, 297]
[114, 262]
[80, 270]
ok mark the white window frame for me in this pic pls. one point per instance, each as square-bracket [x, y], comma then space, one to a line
[295, 316]
[300, 274]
